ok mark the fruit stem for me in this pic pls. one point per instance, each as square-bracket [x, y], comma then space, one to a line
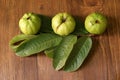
[97, 21]
[28, 18]
[90, 35]
[63, 20]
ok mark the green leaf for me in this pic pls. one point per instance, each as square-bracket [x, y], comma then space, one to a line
[78, 54]
[63, 50]
[49, 52]
[38, 44]
[79, 28]
[46, 24]
[18, 40]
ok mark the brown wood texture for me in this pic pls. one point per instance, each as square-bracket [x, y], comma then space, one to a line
[103, 62]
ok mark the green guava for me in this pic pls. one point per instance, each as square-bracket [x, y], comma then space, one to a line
[30, 23]
[95, 23]
[63, 24]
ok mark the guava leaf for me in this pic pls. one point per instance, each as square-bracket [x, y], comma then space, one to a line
[49, 52]
[78, 54]
[38, 44]
[46, 24]
[63, 50]
[18, 40]
[79, 28]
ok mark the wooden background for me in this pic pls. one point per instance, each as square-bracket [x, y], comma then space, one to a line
[103, 62]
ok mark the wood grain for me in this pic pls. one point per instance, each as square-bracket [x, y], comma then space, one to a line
[103, 62]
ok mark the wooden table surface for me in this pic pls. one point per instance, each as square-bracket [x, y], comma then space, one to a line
[103, 62]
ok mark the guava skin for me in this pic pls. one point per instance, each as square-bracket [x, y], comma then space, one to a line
[30, 24]
[63, 24]
[95, 23]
